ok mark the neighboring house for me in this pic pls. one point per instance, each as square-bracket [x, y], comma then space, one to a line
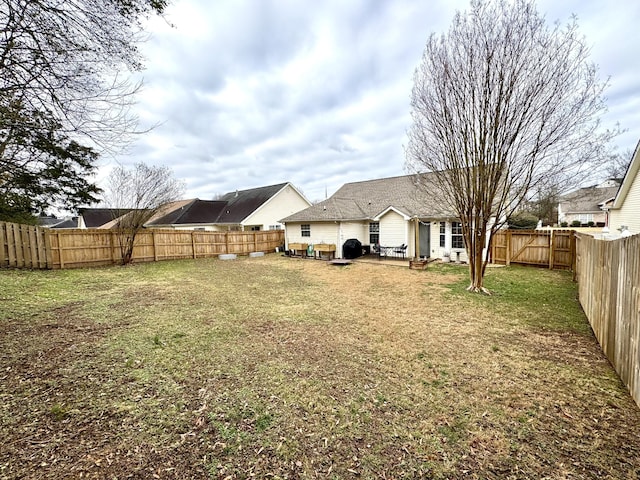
[389, 212]
[253, 209]
[588, 204]
[625, 210]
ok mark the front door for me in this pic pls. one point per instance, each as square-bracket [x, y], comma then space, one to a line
[424, 233]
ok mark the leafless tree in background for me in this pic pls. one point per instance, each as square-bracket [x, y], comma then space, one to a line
[617, 164]
[502, 105]
[135, 195]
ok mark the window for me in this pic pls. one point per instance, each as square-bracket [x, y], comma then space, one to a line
[442, 230]
[305, 230]
[585, 217]
[275, 227]
[374, 233]
[457, 240]
[255, 228]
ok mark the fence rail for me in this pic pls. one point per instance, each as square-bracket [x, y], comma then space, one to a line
[23, 246]
[554, 249]
[608, 274]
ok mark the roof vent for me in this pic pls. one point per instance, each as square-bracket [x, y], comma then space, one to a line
[236, 192]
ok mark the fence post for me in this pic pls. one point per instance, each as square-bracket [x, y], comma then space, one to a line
[48, 249]
[3, 237]
[226, 242]
[155, 246]
[507, 259]
[551, 249]
[60, 255]
[255, 241]
[193, 243]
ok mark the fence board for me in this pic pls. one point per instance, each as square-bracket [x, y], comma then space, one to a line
[550, 248]
[608, 275]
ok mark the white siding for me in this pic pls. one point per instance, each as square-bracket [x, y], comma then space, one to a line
[286, 202]
[437, 251]
[629, 213]
[326, 232]
[394, 230]
[358, 230]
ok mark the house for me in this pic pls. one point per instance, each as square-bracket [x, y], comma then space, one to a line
[253, 209]
[625, 210]
[390, 212]
[588, 205]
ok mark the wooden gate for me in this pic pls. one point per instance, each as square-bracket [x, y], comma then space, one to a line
[554, 249]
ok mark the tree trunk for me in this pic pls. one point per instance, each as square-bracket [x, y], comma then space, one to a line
[476, 262]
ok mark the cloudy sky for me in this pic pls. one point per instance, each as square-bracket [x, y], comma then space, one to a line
[249, 93]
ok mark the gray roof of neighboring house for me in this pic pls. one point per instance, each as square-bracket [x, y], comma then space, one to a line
[232, 208]
[96, 217]
[242, 203]
[587, 200]
[190, 212]
[67, 223]
[413, 195]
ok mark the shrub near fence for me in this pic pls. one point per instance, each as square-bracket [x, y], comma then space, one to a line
[608, 275]
[35, 247]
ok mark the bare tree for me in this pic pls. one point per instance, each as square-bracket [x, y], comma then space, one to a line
[135, 195]
[617, 164]
[64, 67]
[503, 104]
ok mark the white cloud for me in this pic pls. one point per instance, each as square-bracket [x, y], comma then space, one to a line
[257, 92]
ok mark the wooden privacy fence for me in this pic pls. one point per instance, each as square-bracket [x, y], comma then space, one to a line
[23, 246]
[608, 274]
[554, 249]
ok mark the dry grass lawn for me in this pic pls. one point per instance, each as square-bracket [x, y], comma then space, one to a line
[287, 368]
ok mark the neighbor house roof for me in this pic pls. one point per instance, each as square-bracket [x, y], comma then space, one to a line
[412, 195]
[187, 212]
[232, 208]
[67, 223]
[587, 200]
[242, 203]
[97, 217]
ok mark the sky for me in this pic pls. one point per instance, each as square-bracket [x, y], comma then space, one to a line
[249, 93]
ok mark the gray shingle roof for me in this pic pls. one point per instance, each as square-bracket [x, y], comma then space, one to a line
[587, 200]
[233, 208]
[365, 200]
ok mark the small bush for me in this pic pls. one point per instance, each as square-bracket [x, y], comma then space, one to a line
[590, 224]
[564, 224]
[523, 221]
[576, 223]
